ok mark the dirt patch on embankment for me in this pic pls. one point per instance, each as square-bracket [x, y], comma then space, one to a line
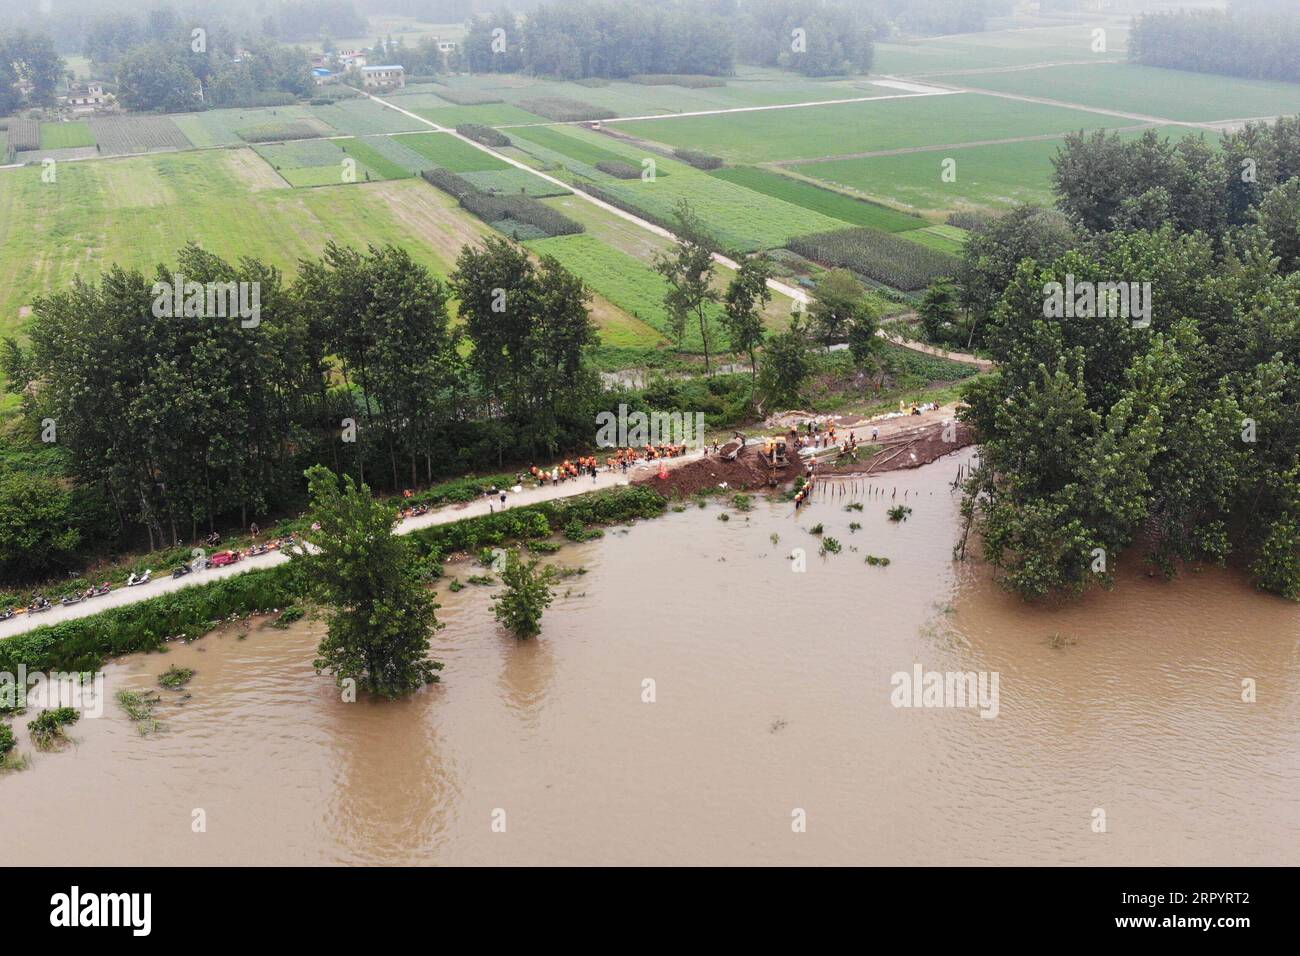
[904, 448]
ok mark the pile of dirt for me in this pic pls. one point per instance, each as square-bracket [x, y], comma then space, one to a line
[747, 473]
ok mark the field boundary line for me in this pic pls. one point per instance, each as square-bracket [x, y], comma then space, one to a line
[739, 109]
[905, 150]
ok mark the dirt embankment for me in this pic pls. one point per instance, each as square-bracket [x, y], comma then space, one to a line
[901, 447]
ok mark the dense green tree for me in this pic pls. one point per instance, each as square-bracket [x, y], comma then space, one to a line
[839, 300]
[381, 615]
[742, 314]
[787, 363]
[688, 270]
[37, 533]
[526, 597]
[156, 77]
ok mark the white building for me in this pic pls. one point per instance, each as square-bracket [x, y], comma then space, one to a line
[87, 97]
[383, 77]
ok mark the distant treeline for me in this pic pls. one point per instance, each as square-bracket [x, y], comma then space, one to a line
[578, 39]
[1261, 45]
[27, 59]
[157, 66]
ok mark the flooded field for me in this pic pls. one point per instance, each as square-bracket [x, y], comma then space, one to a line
[771, 695]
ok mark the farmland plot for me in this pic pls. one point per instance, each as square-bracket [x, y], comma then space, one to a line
[889, 259]
[449, 152]
[71, 135]
[824, 201]
[364, 117]
[1169, 94]
[315, 163]
[632, 286]
[824, 132]
[121, 135]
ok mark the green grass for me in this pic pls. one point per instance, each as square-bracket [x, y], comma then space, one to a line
[66, 135]
[1150, 91]
[824, 201]
[843, 129]
[514, 182]
[451, 153]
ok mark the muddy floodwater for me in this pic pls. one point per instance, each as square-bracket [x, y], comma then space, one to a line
[771, 704]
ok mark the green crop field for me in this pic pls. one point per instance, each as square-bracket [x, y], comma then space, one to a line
[848, 128]
[946, 239]
[372, 159]
[138, 211]
[490, 114]
[364, 117]
[221, 127]
[321, 162]
[824, 201]
[66, 135]
[974, 51]
[568, 142]
[1168, 94]
[737, 217]
[632, 286]
[986, 176]
[450, 152]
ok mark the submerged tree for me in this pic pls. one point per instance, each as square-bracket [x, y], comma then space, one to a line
[526, 597]
[381, 614]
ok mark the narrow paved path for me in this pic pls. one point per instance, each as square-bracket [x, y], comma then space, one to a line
[166, 584]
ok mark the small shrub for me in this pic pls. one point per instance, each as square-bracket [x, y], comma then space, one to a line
[619, 170]
[899, 513]
[175, 677]
[816, 529]
[830, 545]
[47, 729]
[698, 159]
[877, 562]
[742, 502]
[139, 708]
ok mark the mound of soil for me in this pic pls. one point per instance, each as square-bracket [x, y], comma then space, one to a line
[747, 473]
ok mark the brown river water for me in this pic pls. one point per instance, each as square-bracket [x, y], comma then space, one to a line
[772, 695]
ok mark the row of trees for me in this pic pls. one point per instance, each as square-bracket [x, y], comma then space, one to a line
[180, 421]
[575, 39]
[1260, 44]
[30, 70]
[1099, 432]
[226, 69]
